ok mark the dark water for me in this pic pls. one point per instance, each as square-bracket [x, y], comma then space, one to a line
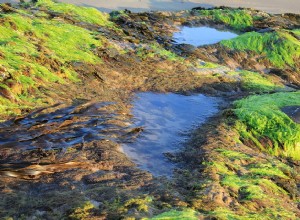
[165, 118]
[293, 112]
[199, 36]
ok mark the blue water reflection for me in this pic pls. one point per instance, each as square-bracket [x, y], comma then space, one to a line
[165, 117]
[199, 36]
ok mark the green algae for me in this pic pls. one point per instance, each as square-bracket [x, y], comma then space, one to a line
[267, 214]
[263, 118]
[234, 154]
[238, 19]
[280, 47]
[256, 82]
[81, 14]
[187, 214]
[268, 170]
[81, 212]
[35, 52]
[67, 42]
[251, 182]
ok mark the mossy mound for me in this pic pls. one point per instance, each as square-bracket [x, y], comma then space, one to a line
[281, 48]
[36, 51]
[81, 14]
[238, 19]
[261, 117]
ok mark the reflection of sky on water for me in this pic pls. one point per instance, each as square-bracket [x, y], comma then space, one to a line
[165, 117]
[198, 36]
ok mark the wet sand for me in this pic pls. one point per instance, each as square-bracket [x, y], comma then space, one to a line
[271, 6]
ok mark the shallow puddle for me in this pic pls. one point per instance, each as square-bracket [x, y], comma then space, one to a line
[165, 119]
[50, 139]
[199, 36]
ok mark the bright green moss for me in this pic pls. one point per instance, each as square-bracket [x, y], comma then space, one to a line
[251, 186]
[225, 214]
[140, 203]
[252, 192]
[114, 15]
[69, 43]
[271, 186]
[263, 118]
[267, 214]
[10, 108]
[187, 214]
[237, 19]
[234, 154]
[234, 182]
[257, 82]
[84, 14]
[221, 168]
[280, 47]
[296, 31]
[266, 170]
[29, 46]
[66, 41]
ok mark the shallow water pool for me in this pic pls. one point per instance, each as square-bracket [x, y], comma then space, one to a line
[165, 119]
[199, 36]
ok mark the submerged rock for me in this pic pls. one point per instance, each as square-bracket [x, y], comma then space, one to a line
[293, 112]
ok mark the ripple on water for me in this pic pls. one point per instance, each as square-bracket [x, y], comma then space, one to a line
[165, 118]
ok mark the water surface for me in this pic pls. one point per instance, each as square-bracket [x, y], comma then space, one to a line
[33, 138]
[165, 118]
[199, 36]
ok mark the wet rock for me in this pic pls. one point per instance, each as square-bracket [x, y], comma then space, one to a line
[184, 49]
[292, 77]
[112, 52]
[89, 70]
[293, 112]
[269, 29]
[218, 195]
[103, 31]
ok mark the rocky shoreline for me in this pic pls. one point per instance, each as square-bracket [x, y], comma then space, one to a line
[65, 101]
